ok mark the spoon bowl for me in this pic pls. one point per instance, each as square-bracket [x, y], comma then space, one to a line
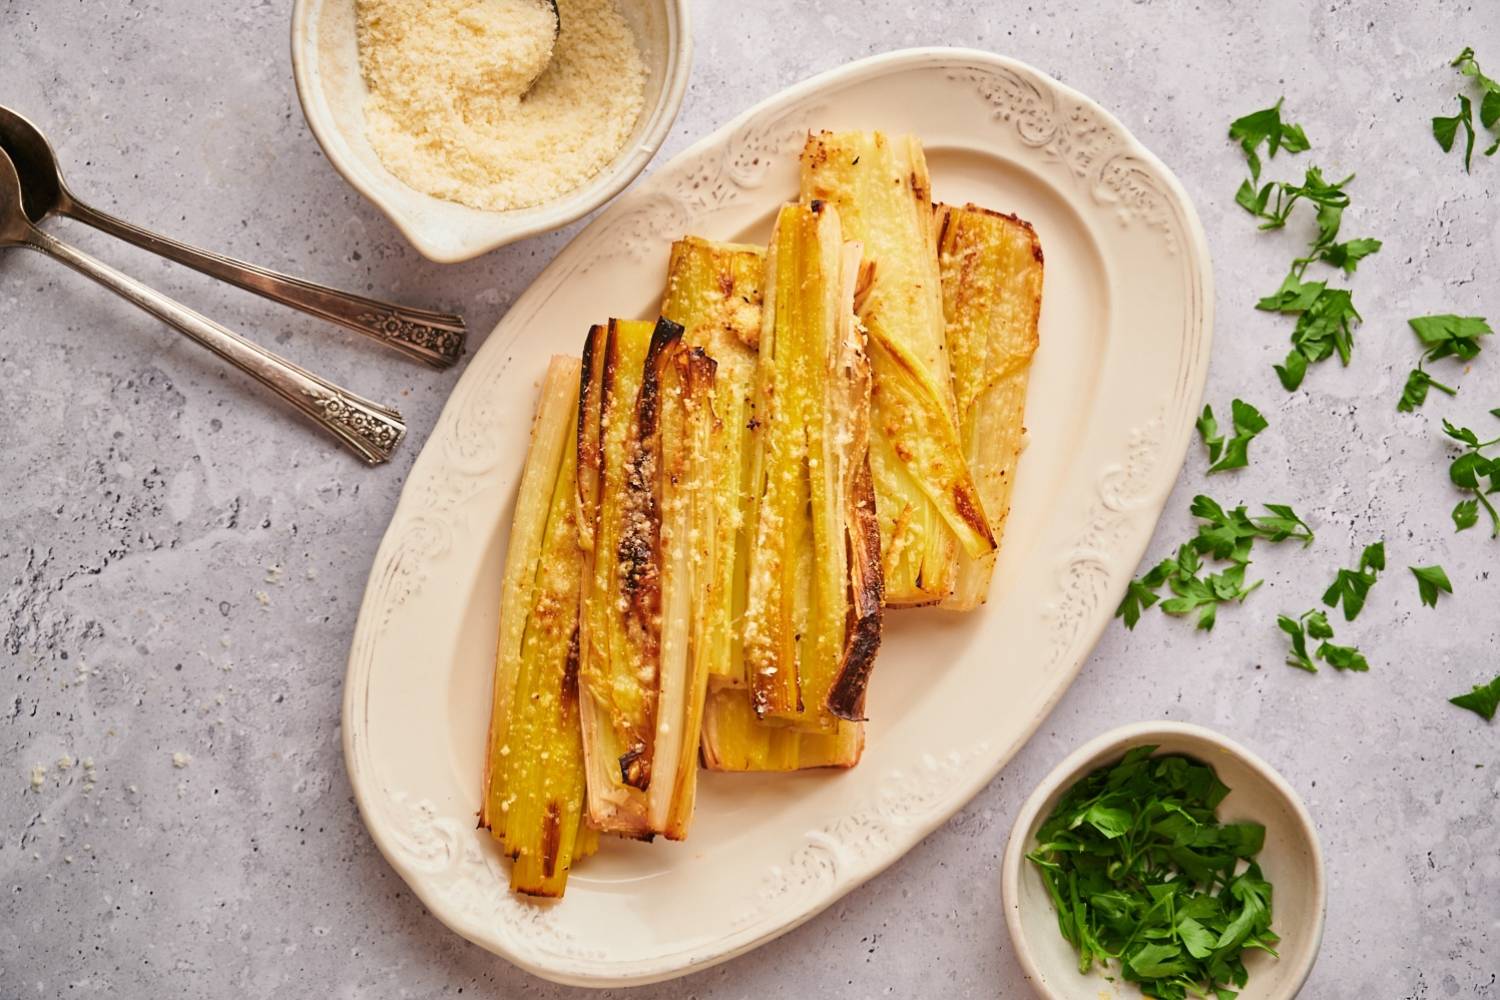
[39, 178]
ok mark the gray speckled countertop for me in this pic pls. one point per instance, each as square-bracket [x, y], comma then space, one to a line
[180, 563]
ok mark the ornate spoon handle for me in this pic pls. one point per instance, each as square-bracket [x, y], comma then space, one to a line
[370, 430]
[434, 338]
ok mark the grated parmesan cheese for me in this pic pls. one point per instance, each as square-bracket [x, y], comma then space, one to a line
[452, 109]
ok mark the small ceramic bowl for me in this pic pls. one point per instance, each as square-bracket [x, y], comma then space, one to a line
[1291, 860]
[325, 62]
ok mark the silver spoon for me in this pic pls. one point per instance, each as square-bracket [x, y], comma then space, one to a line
[431, 337]
[372, 431]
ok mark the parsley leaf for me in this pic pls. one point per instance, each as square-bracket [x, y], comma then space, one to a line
[1442, 336]
[1292, 371]
[1351, 586]
[1294, 295]
[1265, 127]
[1233, 454]
[1448, 335]
[1468, 472]
[1414, 393]
[1430, 580]
[1348, 255]
[1489, 105]
[1142, 873]
[1314, 625]
[1445, 130]
[1465, 514]
[1298, 656]
[1343, 657]
[1482, 701]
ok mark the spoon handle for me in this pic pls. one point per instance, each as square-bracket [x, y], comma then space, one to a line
[368, 429]
[434, 338]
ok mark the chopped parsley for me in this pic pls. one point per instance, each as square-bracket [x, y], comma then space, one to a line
[1143, 874]
[1445, 128]
[1430, 580]
[1482, 701]
[1232, 453]
[1468, 472]
[1225, 536]
[1442, 336]
[1351, 586]
[1265, 127]
[1315, 625]
[1326, 316]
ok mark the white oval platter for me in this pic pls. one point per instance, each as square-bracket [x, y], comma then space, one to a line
[1126, 320]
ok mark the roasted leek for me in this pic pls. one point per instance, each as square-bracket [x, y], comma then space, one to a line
[991, 267]
[643, 448]
[813, 612]
[736, 739]
[534, 771]
[714, 291]
[928, 504]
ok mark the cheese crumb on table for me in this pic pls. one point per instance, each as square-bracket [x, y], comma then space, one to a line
[180, 759]
[38, 776]
[449, 110]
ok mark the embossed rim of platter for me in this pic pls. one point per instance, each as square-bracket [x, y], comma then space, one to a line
[1127, 484]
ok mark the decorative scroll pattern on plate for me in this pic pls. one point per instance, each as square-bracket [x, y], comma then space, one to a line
[1090, 144]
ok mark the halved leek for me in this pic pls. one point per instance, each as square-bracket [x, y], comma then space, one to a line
[534, 770]
[991, 267]
[927, 500]
[686, 445]
[645, 658]
[714, 291]
[811, 627]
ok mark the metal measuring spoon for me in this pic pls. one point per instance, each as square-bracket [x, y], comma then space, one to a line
[431, 337]
[372, 431]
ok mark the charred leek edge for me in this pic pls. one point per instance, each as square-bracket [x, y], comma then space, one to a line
[714, 291]
[533, 775]
[992, 295]
[927, 499]
[813, 404]
[622, 610]
[687, 434]
[735, 739]
[853, 523]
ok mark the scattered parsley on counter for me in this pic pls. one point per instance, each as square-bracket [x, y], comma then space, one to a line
[1351, 586]
[1482, 701]
[1442, 336]
[1468, 472]
[1325, 316]
[1226, 536]
[1314, 625]
[1265, 127]
[1233, 453]
[1325, 326]
[1445, 129]
[1430, 580]
[1142, 873]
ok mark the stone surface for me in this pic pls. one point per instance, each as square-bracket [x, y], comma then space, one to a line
[180, 563]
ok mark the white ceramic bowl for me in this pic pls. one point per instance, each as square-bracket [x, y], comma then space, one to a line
[1291, 860]
[325, 62]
